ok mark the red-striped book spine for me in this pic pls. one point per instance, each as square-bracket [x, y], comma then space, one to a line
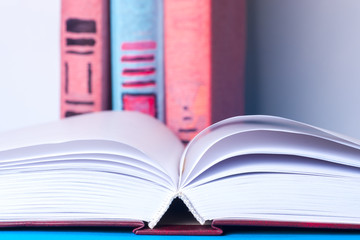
[85, 73]
[137, 56]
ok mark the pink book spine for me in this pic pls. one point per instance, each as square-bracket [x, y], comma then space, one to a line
[85, 78]
[187, 66]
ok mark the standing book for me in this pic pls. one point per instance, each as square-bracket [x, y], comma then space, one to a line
[204, 63]
[126, 168]
[137, 56]
[85, 72]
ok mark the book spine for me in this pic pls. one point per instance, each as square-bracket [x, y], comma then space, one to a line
[85, 73]
[137, 56]
[228, 41]
[187, 66]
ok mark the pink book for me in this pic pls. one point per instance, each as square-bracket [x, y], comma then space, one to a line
[204, 63]
[85, 76]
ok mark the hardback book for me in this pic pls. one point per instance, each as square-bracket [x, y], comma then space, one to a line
[126, 169]
[85, 72]
[204, 63]
[137, 56]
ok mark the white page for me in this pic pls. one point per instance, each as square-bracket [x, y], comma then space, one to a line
[274, 142]
[273, 163]
[86, 165]
[77, 147]
[109, 150]
[279, 197]
[104, 159]
[131, 128]
[237, 125]
[78, 195]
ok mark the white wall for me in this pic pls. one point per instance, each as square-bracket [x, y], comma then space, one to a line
[304, 61]
[29, 62]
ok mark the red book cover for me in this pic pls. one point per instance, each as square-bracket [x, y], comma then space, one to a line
[187, 66]
[204, 63]
[215, 228]
[228, 47]
[85, 78]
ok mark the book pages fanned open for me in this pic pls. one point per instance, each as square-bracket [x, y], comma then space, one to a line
[126, 169]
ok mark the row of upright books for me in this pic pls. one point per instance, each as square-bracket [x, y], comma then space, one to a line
[181, 61]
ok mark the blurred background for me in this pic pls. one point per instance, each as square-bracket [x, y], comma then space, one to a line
[302, 62]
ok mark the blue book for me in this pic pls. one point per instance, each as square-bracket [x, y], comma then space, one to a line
[137, 56]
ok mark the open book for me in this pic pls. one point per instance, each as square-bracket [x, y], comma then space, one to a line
[126, 168]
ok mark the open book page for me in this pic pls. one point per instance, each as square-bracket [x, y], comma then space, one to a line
[272, 196]
[95, 167]
[270, 168]
[263, 134]
[78, 194]
[161, 148]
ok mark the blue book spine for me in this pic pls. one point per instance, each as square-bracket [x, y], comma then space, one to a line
[136, 28]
